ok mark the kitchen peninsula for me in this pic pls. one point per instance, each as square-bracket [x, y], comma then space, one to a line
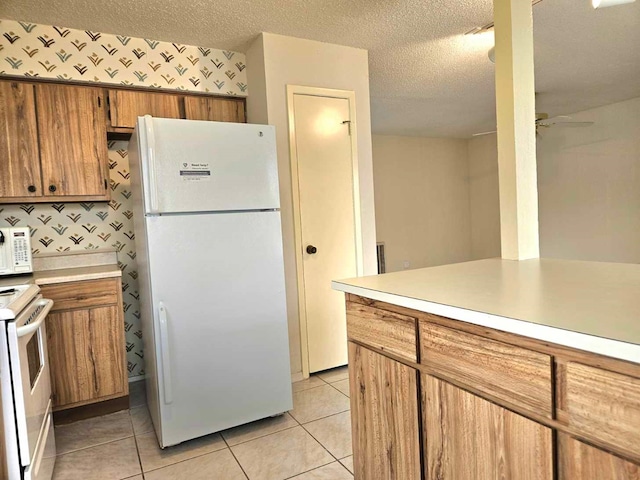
[496, 369]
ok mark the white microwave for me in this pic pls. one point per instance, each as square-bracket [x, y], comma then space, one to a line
[15, 251]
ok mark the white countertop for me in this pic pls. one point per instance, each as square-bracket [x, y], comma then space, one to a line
[77, 274]
[591, 306]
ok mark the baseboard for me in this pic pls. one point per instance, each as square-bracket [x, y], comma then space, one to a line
[83, 412]
[296, 377]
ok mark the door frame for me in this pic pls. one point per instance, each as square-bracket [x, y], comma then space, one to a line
[295, 187]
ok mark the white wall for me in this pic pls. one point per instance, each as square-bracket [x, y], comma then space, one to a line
[273, 62]
[484, 197]
[422, 200]
[588, 187]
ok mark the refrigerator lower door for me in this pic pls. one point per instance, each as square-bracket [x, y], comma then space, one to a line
[220, 321]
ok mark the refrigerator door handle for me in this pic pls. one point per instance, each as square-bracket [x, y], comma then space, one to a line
[164, 353]
[151, 164]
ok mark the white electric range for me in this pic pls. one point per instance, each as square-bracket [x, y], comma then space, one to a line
[27, 417]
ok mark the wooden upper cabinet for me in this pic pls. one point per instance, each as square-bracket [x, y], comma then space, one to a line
[469, 438]
[125, 106]
[214, 109]
[384, 417]
[19, 156]
[578, 460]
[73, 142]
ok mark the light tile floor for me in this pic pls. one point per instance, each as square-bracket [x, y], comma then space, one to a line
[311, 442]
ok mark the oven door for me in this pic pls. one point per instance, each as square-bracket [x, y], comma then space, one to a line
[27, 340]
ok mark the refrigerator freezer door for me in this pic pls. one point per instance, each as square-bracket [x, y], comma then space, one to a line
[196, 166]
[220, 330]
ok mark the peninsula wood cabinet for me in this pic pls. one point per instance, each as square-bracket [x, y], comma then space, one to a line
[55, 147]
[85, 339]
[470, 438]
[439, 399]
[390, 442]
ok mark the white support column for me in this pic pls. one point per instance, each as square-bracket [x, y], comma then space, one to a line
[515, 108]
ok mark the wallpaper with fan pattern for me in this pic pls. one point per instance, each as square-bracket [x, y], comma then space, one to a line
[64, 227]
[90, 226]
[65, 54]
[60, 53]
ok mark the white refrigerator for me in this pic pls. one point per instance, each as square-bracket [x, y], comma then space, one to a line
[211, 273]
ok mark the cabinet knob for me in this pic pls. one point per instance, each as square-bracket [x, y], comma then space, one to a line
[52, 188]
[311, 249]
[31, 188]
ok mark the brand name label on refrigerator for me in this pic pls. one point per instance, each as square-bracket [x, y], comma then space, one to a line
[195, 172]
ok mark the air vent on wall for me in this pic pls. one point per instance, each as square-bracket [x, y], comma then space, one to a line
[382, 267]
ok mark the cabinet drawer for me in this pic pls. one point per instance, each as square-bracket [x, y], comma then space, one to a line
[513, 374]
[388, 331]
[603, 404]
[90, 293]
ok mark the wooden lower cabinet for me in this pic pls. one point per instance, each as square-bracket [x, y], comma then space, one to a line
[469, 438]
[491, 406]
[577, 460]
[86, 347]
[385, 419]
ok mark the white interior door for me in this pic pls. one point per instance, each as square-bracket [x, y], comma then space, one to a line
[327, 221]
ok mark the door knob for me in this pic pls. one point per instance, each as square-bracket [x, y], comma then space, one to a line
[311, 249]
[52, 188]
[31, 188]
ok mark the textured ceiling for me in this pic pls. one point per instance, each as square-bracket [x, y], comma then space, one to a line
[426, 77]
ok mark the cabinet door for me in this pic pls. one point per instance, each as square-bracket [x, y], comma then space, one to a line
[385, 420]
[125, 106]
[85, 354]
[578, 460]
[19, 155]
[469, 438]
[214, 109]
[72, 134]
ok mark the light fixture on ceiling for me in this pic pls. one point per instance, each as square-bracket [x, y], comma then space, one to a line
[490, 26]
[492, 54]
[609, 3]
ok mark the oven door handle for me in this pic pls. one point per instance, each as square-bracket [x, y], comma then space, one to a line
[164, 350]
[33, 326]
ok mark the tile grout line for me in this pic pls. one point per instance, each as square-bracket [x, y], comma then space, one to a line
[315, 468]
[262, 436]
[135, 440]
[186, 459]
[320, 443]
[93, 446]
[234, 455]
[322, 418]
[331, 384]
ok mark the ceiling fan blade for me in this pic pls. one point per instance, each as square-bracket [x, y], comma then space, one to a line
[483, 133]
[571, 124]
